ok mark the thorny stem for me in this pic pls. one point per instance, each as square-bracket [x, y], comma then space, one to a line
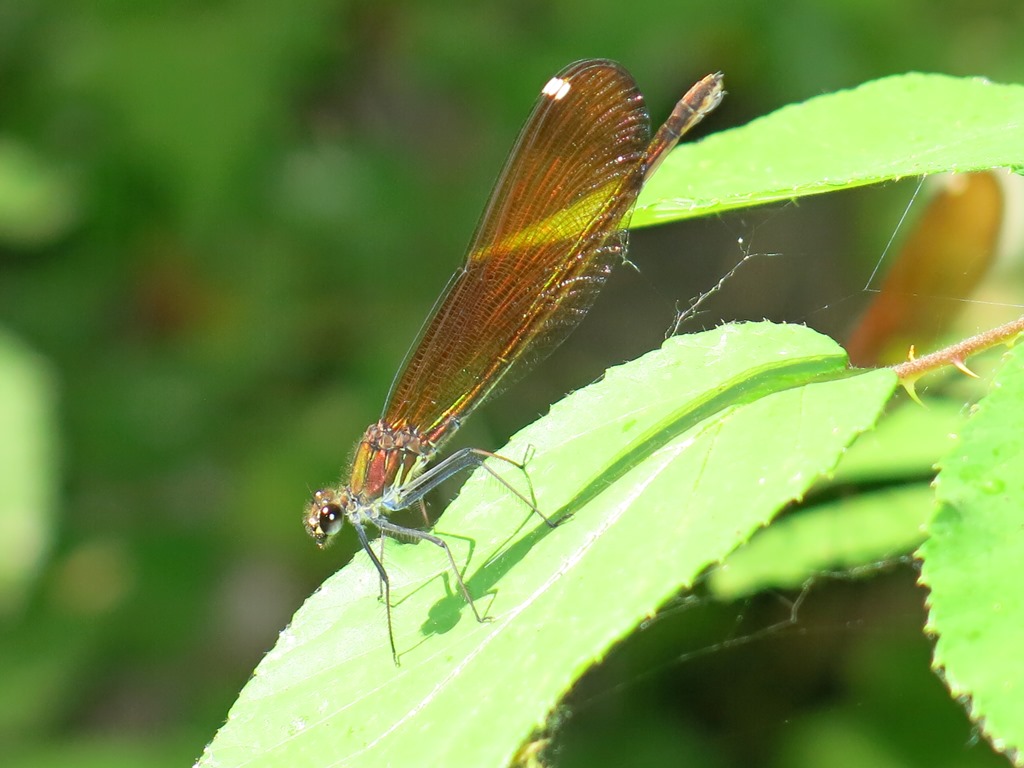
[957, 354]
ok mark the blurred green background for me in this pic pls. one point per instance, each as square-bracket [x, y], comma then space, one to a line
[221, 224]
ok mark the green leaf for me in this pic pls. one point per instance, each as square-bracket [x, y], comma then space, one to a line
[852, 535]
[972, 563]
[849, 537]
[27, 460]
[666, 464]
[908, 443]
[906, 125]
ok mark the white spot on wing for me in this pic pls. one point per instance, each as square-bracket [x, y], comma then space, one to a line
[556, 88]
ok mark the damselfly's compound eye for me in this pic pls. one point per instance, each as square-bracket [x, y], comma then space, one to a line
[331, 519]
[325, 516]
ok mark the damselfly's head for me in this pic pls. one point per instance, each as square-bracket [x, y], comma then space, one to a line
[326, 514]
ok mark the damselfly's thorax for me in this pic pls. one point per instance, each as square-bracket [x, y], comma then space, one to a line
[386, 458]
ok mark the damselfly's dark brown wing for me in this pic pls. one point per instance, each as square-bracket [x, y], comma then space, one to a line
[552, 230]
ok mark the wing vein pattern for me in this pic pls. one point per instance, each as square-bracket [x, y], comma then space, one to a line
[552, 230]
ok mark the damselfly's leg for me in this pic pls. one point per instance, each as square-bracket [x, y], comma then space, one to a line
[380, 595]
[385, 584]
[412, 533]
[467, 458]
